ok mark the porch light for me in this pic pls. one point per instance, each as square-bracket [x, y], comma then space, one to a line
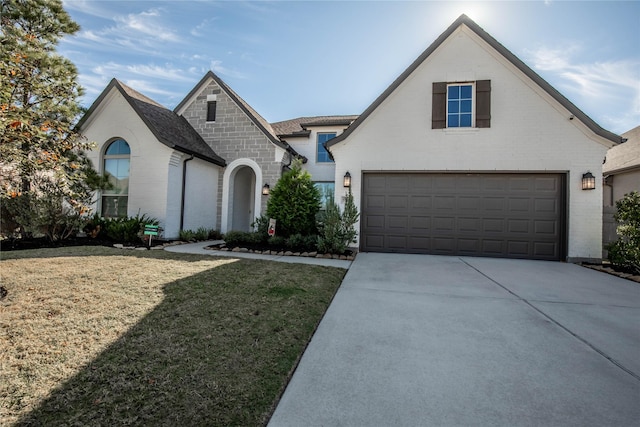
[588, 181]
[265, 190]
[347, 180]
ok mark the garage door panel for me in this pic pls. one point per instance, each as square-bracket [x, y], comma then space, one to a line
[419, 223]
[493, 214]
[374, 202]
[420, 202]
[395, 222]
[397, 202]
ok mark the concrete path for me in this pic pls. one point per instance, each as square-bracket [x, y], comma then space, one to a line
[199, 248]
[417, 340]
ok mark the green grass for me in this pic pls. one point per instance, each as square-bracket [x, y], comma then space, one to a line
[98, 336]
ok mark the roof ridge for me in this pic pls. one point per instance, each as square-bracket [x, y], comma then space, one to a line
[502, 50]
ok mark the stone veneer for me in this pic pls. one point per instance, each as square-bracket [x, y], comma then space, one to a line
[233, 136]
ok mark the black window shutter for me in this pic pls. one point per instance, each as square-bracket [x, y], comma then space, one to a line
[483, 103]
[439, 106]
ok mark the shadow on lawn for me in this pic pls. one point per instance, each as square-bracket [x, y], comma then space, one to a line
[212, 353]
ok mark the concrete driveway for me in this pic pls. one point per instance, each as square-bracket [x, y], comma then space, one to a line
[418, 340]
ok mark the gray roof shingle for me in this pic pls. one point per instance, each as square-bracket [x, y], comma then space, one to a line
[170, 129]
[298, 126]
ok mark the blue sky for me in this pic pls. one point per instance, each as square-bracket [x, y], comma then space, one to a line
[305, 58]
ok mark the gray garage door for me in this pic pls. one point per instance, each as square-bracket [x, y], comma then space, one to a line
[499, 215]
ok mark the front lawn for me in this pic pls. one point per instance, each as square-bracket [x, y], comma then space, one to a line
[100, 336]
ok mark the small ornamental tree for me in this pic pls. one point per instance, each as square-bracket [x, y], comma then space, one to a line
[337, 229]
[625, 252]
[294, 203]
[45, 181]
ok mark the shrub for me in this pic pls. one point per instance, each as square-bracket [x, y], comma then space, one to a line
[242, 238]
[625, 252]
[294, 203]
[186, 235]
[214, 235]
[337, 230]
[277, 242]
[298, 242]
[42, 214]
[120, 230]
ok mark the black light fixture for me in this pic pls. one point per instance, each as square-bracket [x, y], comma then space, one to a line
[588, 181]
[265, 190]
[347, 180]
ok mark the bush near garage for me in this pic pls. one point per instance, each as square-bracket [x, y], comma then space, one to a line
[625, 252]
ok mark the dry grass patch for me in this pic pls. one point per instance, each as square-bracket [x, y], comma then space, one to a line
[96, 336]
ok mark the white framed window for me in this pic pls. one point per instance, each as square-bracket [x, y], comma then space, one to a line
[322, 153]
[460, 103]
[116, 166]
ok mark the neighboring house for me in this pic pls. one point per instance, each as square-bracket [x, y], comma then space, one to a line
[621, 169]
[621, 172]
[307, 135]
[470, 152]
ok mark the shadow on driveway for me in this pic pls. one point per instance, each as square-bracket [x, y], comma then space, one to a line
[432, 340]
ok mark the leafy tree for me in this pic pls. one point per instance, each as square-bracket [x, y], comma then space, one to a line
[294, 203]
[45, 176]
[625, 252]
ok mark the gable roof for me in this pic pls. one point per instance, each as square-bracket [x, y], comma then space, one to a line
[252, 114]
[465, 20]
[170, 129]
[298, 126]
[625, 156]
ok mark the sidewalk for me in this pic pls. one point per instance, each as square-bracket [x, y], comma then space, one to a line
[199, 248]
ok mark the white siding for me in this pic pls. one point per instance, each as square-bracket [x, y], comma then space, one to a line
[529, 132]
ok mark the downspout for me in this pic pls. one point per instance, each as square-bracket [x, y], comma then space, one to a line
[184, 185]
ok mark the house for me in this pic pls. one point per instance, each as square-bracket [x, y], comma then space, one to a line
[470, 152]
[621, 175]
[204, 164]
[621, 169]
[467, 152]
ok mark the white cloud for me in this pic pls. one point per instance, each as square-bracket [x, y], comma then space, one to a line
[218, 68]
[167, 72]
[146, 23]
[612, 86]
[143, 32]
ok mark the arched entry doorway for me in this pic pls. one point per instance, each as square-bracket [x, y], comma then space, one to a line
[241, 199]
[244, 184]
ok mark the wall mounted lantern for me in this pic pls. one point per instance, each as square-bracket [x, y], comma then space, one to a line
[347, 180]
[265, 190]
[588, 181]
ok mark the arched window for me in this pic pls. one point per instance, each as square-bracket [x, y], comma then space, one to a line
[116, 166]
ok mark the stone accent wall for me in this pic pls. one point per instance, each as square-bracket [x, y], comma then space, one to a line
[233, 136]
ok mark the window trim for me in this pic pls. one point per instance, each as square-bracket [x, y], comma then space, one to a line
[105, 157]
[473, 104]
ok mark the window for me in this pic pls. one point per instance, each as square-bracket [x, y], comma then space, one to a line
[461, 105]
[116, 167]
[323, 154]
[327, 190]
[211, 111]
